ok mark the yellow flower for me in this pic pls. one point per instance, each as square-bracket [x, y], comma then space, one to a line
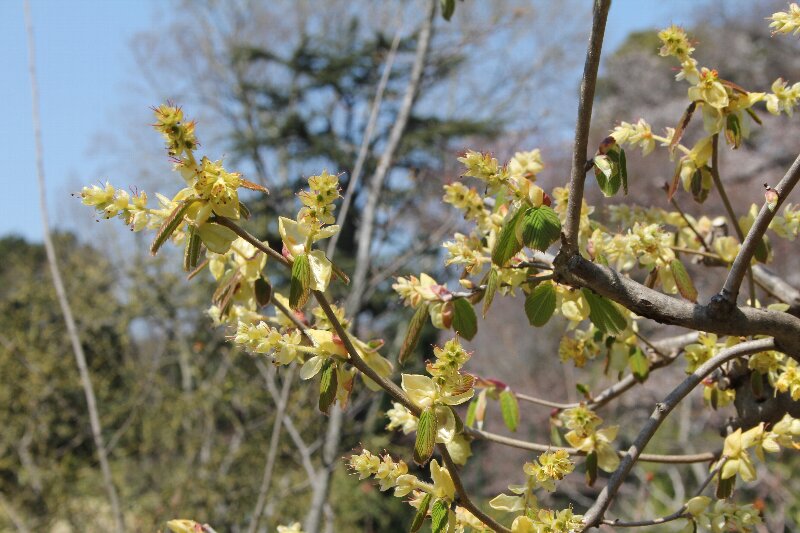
[443, 486]
[185, 526]
[293, 528]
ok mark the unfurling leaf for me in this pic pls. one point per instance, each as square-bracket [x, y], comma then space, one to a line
[639, 365]
[682, 280]
[301, 282]
[426, 436]
[422, 513]
[168, 227]
[540, 304]
[591, 468]
[413, 333]
[507, 244]
[191, 253]
[733, 131]
[263, 292]
[762, 250]
[465, 322]
[725, 487]
[448, 8]
[540, 227]
[604, 313]
[472, 409]
[623, 171]
[492, 282]
[607, 171]
[510, 409]
[244, 212]
[328, 384]
[439, 516]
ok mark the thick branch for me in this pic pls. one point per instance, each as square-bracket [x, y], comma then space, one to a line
[648, 303]
[578, 171]
[731, 289]
[594, 515]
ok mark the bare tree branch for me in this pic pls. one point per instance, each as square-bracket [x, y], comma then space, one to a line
[578, 171]
[734, 280]
[272, 451]
[365, 230]
[734, 220]
[648, 303]
[538, 447]
[594, 515]
[61, 293]
[363, 151]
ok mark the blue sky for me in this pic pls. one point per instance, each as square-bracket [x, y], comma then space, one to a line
[84, 64]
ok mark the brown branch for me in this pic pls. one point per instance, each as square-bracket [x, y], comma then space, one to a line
[594, 515]
[578, 171]
[729, 208]
[61, 293]
[680, 513]
[645, 302]
[740, 265]
[463, 497]
[539, 447]
[779, 288]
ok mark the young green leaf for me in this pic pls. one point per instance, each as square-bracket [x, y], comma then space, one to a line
[540, 304]
[507, 244]
[623, 171]
[413, 333]
[639, 365]
[591, 468]
[465, 322]
[682, 280]
[422, 513]
[448, 8]
[492, 282]
[540, 227]
[510, 409]
[604, 313]
[328, 385]
[426, 436]
[725, 487]
[263, 292]
[472, 409]
[606, 171]
[168, 227]
[301, 282]
[439, 516]
[191, 253]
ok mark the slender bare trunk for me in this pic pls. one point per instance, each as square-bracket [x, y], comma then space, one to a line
[61, 294]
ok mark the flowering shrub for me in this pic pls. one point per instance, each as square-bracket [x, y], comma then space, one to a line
[513, 225]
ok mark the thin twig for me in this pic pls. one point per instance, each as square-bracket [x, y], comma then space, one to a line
[594, 515]
[463, 497]
[734, 280]
[61, 293]
[272, 451]
[539, 447]
[578, 171]
[363, 151]
[729, 208]
[689, 224]
[680, 513]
